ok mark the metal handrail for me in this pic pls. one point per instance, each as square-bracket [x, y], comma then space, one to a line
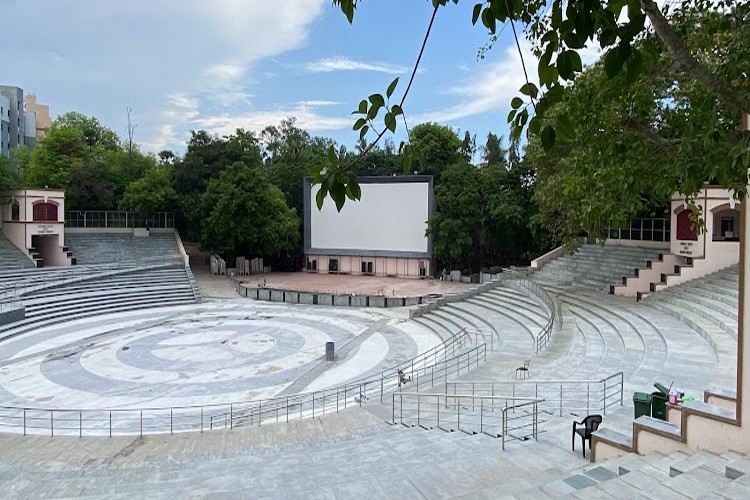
[642, 230]
[559, 395]
[468, 413]
[111, 421]
[118, 219]
[543, 338]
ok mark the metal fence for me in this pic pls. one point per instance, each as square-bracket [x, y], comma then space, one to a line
[118, 220]
[657, 229]
[559, 395]
[498, 416]
[139, 421]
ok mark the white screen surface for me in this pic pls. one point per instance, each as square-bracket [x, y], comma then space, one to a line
[390, 217]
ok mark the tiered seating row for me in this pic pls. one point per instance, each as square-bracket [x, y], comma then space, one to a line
[157, 287]
[595, 266]
[97, 248]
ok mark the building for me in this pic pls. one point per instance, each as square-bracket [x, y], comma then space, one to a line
[23, 121]
[4, 125]
[34, 221]
[41, 116]
[16, 118]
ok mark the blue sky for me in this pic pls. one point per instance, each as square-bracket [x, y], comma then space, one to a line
[218, 65]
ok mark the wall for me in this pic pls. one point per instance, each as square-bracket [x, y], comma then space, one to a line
[381, 266]
[4, 125]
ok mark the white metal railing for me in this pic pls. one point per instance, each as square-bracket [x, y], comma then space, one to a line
[655, 229]
[498, 416]
[118, 220]
[152, 420]
[559, 395]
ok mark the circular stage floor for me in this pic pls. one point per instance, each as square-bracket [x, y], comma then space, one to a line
[216, 352]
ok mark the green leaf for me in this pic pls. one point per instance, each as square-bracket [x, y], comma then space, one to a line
[377, 100]
[534, 125]
[362, 106]
[353, 188]
[612, 62]
[373, 112]
[530, 90]
[338, 194]
[359, 124]
[548, 137]
[512, 115]
[390, 121]
[363, 131]
[516, 103]
[321, 196]
[565, 128]
[488, 19]
[396, 110]
[564, 66]
[635, 66]
[499, 9]
[476, 13]
[332, 158]
[391, 88]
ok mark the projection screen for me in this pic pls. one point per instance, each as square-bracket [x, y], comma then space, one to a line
[390, 220]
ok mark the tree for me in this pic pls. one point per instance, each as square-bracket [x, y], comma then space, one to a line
[455, 226]
[151, 193]
[437, 147]
[94, 133]
[493, 152]
[8, 178]
[244, 213]
[560, 30]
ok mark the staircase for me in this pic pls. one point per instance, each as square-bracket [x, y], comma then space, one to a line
[98, 248]
[595, 267]
[11, 258]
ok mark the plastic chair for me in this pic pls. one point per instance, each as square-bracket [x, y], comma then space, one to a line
[588, 426]
[523, 370]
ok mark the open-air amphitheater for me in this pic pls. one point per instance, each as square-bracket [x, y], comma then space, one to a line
[118, 379]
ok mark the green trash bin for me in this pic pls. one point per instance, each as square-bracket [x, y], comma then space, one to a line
[659, 402]
[642, 404]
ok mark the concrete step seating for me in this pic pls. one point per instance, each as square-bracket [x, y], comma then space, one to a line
[11, 257]
[702, 475]
[97, 248]
[596, 266]
[347, 455]
[514, 316]
[156, 287]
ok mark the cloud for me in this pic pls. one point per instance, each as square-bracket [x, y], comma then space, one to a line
[330, 64]
[489, 90]
[305, 112]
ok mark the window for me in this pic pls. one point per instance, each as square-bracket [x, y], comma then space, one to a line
[15, 211]
[45, 212]
[333, 266]
[312, 264]
[366, 267]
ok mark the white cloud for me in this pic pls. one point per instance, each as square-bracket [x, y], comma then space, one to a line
[305, 113]
[330, 64]
[490, 89]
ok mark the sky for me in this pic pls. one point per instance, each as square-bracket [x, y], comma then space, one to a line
[219, 65]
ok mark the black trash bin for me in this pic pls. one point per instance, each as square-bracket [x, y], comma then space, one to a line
[659, 402]
[642, 404]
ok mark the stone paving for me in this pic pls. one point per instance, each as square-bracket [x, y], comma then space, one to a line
[353, 454]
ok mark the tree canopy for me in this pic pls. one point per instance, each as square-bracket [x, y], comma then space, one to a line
[696, 55]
